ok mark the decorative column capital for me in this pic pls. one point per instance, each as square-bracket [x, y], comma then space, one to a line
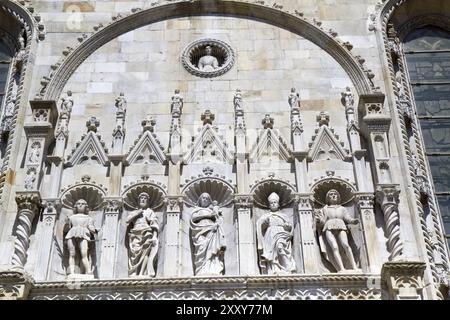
[304, 201]
[404, 280]
[365, 200]
[387, 194]
[28, 200]
[15, 284]
[174, 204]
[112, 205]
[243, 201]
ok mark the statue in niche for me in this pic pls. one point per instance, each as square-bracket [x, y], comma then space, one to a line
[30, 179]
[142, 239]
[208, 62]
[332, 221]
[35, 153]
[274, 232]
[208, 237]
[82, 231]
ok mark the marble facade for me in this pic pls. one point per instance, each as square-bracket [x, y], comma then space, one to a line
[205, 148]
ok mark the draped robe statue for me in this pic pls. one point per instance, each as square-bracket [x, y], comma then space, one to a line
[81, 231]
[332, 222]
[208, 238]
[274, 232]
[142, 239]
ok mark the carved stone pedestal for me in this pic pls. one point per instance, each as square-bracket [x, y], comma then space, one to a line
[403, 280]
[15, 284]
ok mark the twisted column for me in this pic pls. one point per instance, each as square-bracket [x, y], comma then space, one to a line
[28, 204]
[387, 197]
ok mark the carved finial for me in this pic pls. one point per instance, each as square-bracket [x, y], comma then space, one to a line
[329, 173]
[145, 177]
[347, 98]
[207, 117]
[271, 175]
[121, 102]
[148, 123]
[177, 104]
[86, 178]
[92, 124]
[237, 100]
[294, 99]
[323, 118]
[267, 122]
[208, 171]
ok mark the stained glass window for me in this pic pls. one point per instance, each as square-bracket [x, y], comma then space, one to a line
[427, 52]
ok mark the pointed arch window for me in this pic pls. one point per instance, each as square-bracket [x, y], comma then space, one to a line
[5, 62]
[427, 53]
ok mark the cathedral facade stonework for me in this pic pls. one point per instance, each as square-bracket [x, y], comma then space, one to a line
[222, 149]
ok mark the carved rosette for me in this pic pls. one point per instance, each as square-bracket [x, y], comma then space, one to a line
[28, 204]
[387, 197]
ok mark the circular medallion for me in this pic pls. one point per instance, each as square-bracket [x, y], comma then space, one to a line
[207, 58]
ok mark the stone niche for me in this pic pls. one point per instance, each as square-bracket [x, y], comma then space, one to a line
[215, 182]
[94, 195]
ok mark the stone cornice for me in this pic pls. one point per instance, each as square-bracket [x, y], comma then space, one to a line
[353, 280]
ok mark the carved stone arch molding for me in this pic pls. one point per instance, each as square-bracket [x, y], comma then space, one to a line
[322, 185]
[16, 19]
[155, 189]
[93, 193]
[158, 11]
[262, 189]
[392, 21]
[219, 188]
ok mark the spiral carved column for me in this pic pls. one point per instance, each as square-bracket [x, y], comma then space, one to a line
[28, 204]
[387, 197]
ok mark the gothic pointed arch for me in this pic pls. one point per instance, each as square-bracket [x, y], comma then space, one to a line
[275, 15]
[20, 29]
[392, 22]
[146, 149]
[325, 144]
[208, 146]
[91, 149]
